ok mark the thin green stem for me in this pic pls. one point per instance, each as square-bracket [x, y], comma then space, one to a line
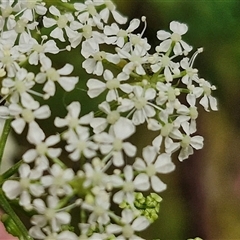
[10, 171]
[4, 136]
[8, 209]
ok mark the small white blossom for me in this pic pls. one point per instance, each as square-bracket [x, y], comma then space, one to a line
[114, 144]
[58, 180]
[49, 214]
[25, 187]
[43, 150]
[50, 75]
[139, 104]
[178, 30]
[113, 85]
[151, 166]
[131, 224]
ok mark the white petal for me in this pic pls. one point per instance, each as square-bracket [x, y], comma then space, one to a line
[141, 182]
[149, 154]
[162, 35]
[164, 164]
[11, 188]
[18, 125]
[43, 112]
[179, 28]
[95, 87]
[29, 156]
[140, 223]
[123, 128]
[66, 69]
[68, 83]
[157, 184]
[129, 149]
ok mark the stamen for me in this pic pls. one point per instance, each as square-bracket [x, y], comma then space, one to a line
[145, 25]
[199, 50]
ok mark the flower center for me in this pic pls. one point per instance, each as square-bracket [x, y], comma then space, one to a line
[128, 187]
[53, 74]
[193, 112]
[81, 145]
[113, 84]
[165, 61]
[150, 170]
[20, 26]
[112, 117]
[62, 21]
[24, 183]
[41, 148]
[176, 37]
[122, 33]
[87, 31]
[140, 103]
[49, 213]
[73, 122]
[99, 56]
[166, 129]
[20, 86]
[28, 115]
[38, 48]
[185, 141]
[31, 4]
[117, 145]
[127, 231]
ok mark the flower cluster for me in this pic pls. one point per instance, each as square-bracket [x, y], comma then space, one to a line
[91, 165]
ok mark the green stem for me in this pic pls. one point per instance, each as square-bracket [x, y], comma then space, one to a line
[10, 171]
[8, 209]
[4, 136]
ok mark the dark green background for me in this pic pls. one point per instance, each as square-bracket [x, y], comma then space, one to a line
[203, 195]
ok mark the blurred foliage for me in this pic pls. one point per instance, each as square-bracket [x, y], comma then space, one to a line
[203, 193]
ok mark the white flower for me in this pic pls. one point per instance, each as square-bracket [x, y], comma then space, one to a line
[9, 57]
[58, 180]
[136, 57]
[72, 120]
[139, 104]
[42, 150]
[94, 57]
[113, 143]
[187, 143]
[39, 50]
[167, 93]
[168, 65]
[111, 7]
[131, 224]
[178, 30]
[25, 116]
[19, 88]
[191, 73]
[98, 209]
[49, 214]
[113, 85]
[51, 75]
[80, 144]
[26, 185]
[60, 21]
[100, 123]
[116, 36]
[87, 10]
[128, 185]
[151, 165]
[30, 8]
[207, 100]
[94, 174]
